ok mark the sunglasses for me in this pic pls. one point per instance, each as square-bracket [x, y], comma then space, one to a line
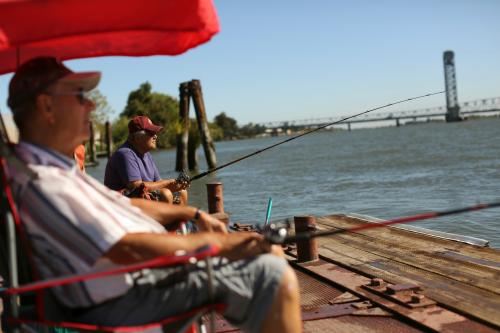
[81, 95]
[150, 133]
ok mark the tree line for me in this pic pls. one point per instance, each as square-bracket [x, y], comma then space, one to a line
[163, 110]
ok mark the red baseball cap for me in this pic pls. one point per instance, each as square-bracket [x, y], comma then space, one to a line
[140, 123]
[37, 74]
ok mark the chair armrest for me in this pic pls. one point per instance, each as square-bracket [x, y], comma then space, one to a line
[161, 261]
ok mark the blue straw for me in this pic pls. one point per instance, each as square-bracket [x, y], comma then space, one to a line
[268, 214]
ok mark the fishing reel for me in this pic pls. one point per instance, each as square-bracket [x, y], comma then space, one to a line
[274, 234]
[183, 180]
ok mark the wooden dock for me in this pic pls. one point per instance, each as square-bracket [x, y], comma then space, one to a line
[391, 280]
[395, 280]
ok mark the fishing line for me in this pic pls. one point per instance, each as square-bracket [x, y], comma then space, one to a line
[277, 235]
[203, 174]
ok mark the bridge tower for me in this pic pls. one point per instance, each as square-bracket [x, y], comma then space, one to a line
[450, 81]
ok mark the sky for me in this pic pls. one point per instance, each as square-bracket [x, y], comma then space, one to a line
[285, 60]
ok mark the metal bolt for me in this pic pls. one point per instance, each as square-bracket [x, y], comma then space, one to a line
[376, 282]
[415, 298]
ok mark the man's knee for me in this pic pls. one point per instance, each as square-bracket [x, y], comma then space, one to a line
[289, 283]
[287, 280]
[183, 197]
[166, 195]
[277, 250]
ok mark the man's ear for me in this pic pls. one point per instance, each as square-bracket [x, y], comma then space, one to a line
[44, 106]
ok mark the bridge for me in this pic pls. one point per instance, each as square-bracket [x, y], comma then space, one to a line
[479, 106]
[452, 112]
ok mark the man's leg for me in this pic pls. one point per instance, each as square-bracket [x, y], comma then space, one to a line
[251, 288]
[166, 196]
[284, 314]
[183, 197]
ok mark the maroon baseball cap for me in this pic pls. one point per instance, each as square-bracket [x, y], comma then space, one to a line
[140, 123]
[36, 75]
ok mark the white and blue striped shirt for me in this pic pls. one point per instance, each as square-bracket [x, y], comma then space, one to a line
[71, 221]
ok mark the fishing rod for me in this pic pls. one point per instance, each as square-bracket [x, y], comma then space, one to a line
[268, 212]
[277, 235]
[203, 174]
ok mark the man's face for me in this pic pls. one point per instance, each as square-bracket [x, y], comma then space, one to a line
[147, 141]
[71, 114]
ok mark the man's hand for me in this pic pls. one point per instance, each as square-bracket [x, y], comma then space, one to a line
[174, 186]
[240, 245]
[205, 222]
[183, 180]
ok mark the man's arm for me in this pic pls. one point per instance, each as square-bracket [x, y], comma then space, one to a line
[137, 247]
[171, 184]
[166, 214]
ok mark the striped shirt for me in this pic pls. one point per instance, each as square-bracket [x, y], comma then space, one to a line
[71, 220]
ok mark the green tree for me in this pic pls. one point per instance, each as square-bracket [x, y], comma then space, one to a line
[194, 142]
[251, 130]
[163, 110]
[119, 130]
[215, 132]
[103, 111]
[138, 101]
[100, 115]
[228, 125]
[160, 108]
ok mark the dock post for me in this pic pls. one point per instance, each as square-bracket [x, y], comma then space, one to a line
[201, 117]
[215, 198]
[109, 141]
[92, 151]
[192, 156]
[181, 161]
[307, 250]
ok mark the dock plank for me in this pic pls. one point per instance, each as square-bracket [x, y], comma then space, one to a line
[419, 239]
[401, 256]
[428, 258]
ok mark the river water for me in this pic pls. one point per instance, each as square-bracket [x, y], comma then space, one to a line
[382, 172]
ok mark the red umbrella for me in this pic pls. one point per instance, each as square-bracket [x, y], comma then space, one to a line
[69, 29]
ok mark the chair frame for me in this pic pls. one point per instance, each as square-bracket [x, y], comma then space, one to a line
[14, 228]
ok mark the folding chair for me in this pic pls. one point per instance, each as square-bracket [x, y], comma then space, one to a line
[23, 309]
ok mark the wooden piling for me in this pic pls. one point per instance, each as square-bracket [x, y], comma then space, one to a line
[92, 151]
[307, 250]
[183, 136]
[215, 198]
[109, 140]
[206, 138]
[192, 155]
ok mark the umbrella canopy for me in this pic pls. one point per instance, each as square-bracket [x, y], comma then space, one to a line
[70, 29]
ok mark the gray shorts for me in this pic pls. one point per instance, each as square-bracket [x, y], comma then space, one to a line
[247, 287]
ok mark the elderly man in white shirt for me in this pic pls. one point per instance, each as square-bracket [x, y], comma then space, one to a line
[76, 225]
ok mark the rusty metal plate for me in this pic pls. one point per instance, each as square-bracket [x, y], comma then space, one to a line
[404, 294]
[221, 325]
[328, 311]
[434, 317]
[351, 324]
[314, 293]
[346, 297]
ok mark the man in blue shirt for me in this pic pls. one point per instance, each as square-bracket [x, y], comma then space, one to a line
[132, 165]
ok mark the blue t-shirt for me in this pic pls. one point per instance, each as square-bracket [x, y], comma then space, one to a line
[126, 165]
